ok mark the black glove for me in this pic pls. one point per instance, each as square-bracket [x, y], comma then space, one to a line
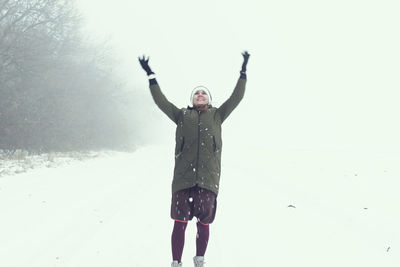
[246, 56]
[145, 65]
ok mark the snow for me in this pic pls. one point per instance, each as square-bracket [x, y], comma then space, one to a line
[21, 162]
[113, 210]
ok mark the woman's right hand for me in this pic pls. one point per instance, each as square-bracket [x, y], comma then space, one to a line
[145, 64]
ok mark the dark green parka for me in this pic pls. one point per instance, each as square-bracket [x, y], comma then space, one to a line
[198, 139]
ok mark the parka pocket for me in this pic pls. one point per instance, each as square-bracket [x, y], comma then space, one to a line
[214, 144]
[181, 147]
[182, 144]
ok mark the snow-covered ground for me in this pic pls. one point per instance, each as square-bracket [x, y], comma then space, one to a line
[113, 211]
[21, 161]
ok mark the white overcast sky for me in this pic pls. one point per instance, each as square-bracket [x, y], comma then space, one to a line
[321, 73]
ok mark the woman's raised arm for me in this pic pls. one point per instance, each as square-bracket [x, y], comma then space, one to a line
[233, 101]
[159, 98]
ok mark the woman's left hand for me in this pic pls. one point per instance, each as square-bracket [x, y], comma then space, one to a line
[246, 56]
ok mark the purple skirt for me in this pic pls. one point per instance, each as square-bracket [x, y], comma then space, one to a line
[194, 201]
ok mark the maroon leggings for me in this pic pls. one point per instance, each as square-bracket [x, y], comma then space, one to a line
[178, 239]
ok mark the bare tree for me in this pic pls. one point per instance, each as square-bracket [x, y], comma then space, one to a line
[56, 93]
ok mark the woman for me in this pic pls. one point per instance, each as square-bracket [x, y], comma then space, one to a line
[197, 170]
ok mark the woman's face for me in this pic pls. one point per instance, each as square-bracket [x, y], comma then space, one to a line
[200, 98]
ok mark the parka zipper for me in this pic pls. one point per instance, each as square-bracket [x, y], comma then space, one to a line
[198, 147]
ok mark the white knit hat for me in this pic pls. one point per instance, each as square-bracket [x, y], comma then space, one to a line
[199, 88]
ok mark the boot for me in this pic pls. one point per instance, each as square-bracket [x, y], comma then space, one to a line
[198, 261]
[176, 264]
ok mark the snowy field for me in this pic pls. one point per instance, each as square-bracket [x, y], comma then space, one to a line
[113, 211]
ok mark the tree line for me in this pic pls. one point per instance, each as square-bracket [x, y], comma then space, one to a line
[58, 92]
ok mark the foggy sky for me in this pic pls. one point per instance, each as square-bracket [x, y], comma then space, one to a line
[321, 73]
